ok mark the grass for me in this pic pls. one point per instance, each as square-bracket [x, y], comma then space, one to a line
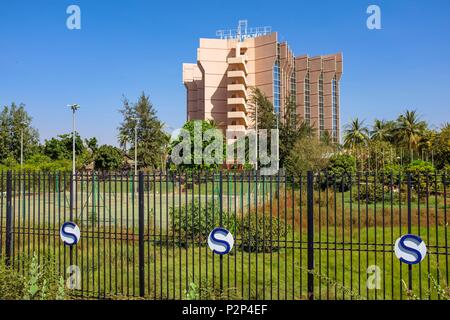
[110, 266]
[348, 240]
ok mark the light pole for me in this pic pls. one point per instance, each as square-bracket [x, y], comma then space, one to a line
[74, 108]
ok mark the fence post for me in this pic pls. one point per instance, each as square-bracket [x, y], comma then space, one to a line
[221, 224]
[9, 232]
[410, 286]
[310, 208]
[141, 235]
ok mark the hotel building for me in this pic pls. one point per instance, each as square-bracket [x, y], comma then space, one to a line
[220, 83]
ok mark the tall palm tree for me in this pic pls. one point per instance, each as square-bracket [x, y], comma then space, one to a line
[410, 130]
[382, 130]
[355, 134]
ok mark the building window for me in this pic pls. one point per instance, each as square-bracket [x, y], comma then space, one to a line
[307, 101]
[277, 84]
[334, 109]
[294, 95]
[321, 109]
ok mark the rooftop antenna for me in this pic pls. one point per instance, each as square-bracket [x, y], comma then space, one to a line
[242, 32]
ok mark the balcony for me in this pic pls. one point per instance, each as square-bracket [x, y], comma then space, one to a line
[240, 88]
[237, 101]
[238, 115]
[239, 74]
[240, 61]
[238, 128]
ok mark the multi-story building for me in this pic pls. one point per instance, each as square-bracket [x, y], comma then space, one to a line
[219, 85]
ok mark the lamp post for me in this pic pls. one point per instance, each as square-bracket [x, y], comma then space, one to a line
[74, 108]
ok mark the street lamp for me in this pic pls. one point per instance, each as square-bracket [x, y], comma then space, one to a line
[74, 108]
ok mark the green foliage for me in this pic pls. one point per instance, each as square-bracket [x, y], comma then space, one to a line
[371, 192]
[193, 293]
[420, 167]
[340, 168]
[108, 158]
[291, 131]
[308, 154]
[13, 121]
[60, 148]
[40, 281]
[205, 144]
[151, 139]
[194, 223]
[441, 148]
[256, 230]
[356, 134]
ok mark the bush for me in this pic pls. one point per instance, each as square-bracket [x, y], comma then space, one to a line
[371, 192]
[196, 222]
[256, 231]
[339, 172]
[39, 282]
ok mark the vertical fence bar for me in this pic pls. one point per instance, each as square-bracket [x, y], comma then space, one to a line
[141, 235]
[221, 224]
[9, 233]
[310, 208]
[409, 229]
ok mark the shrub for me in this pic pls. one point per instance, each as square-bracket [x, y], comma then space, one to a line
[370, 192]
[256, 231]
[339, 172]
[39, 282]
[196, 222]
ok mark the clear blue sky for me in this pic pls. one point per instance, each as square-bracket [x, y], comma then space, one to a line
[126, 47]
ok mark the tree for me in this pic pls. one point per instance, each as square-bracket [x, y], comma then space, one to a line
[151, 139]
[291, 129]
[189, 126]
[13, 120]
[355, 134]
[440, 144]
[308, 153]
[382, 130]
[266, 114]
[409, 130]
[108, 158]
[61, 147]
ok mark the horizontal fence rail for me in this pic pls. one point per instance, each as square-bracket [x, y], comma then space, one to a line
[311, 236]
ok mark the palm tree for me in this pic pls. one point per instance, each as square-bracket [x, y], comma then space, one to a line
[382, 130]
[410, 130]
[355, 134]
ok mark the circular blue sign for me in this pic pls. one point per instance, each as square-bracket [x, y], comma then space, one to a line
[70, 233]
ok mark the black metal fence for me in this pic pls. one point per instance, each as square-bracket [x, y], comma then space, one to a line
[313, 236]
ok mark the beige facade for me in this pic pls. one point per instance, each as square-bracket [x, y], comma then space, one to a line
[219, 84]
